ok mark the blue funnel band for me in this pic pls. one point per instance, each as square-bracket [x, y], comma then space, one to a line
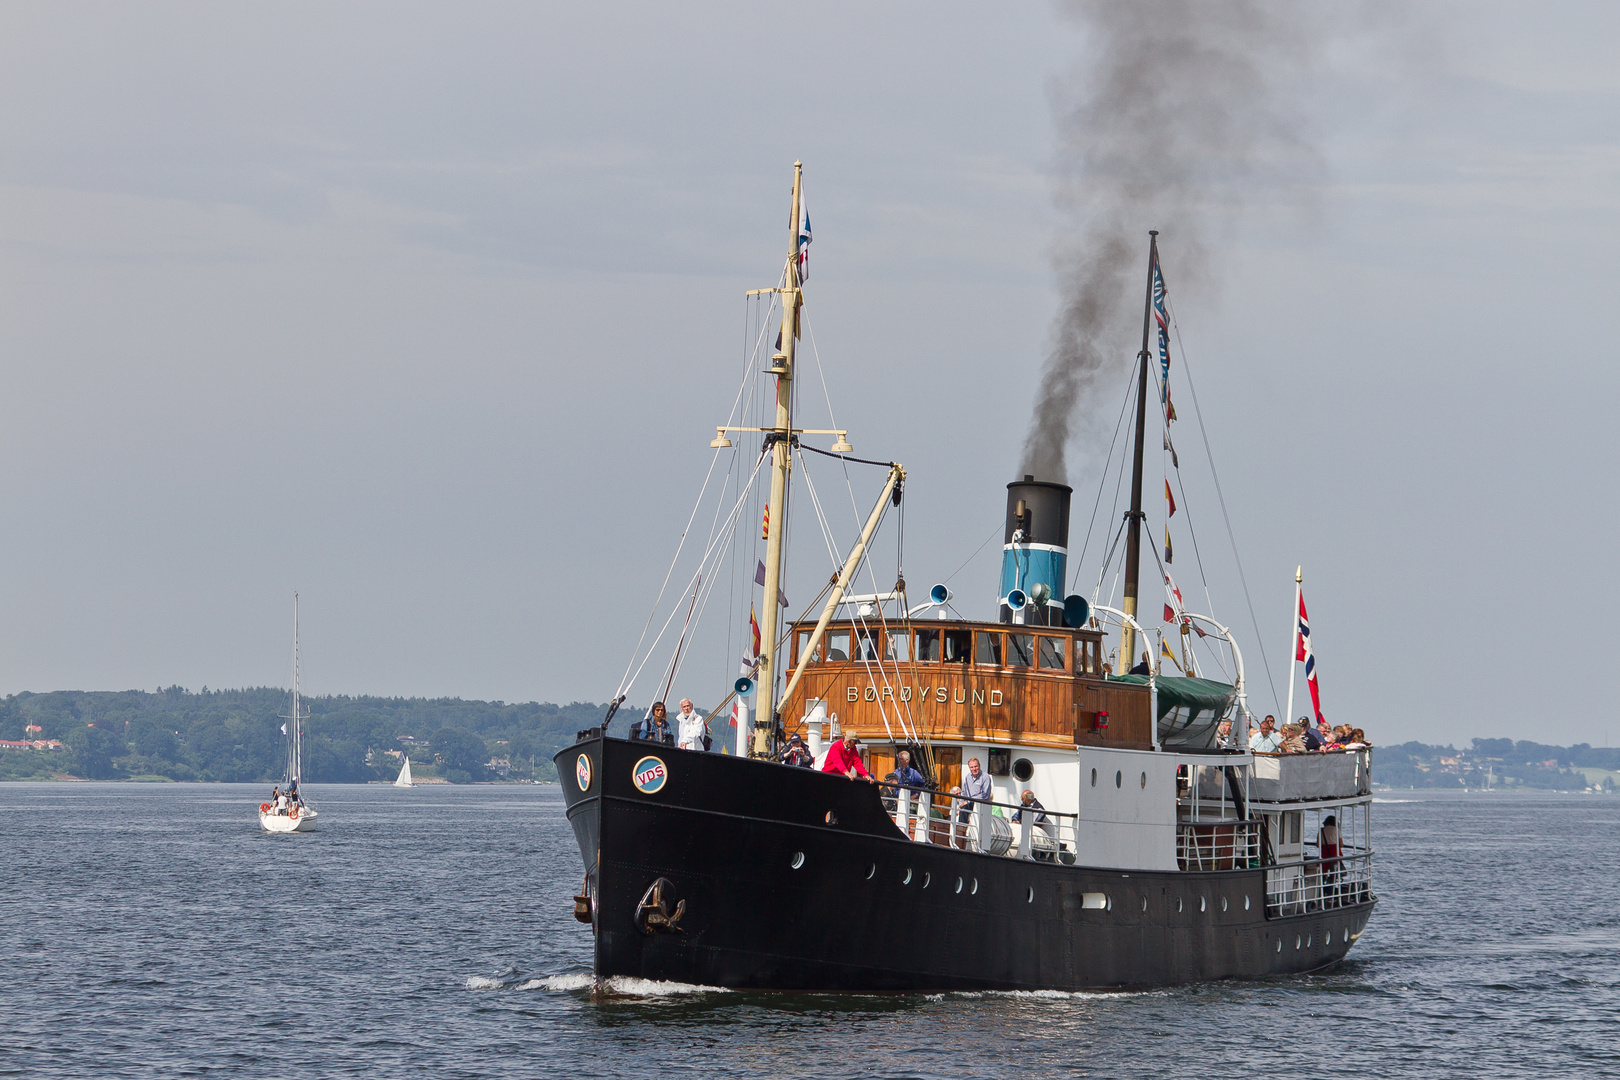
[1023, 566]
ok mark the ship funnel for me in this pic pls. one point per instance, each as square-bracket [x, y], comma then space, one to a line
[1034, 556]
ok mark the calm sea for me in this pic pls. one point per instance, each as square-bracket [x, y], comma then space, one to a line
[154, 931]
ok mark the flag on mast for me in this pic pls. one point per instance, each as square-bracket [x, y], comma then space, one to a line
[1169, 498]
[1303, 652]
[804, 238]
[765, 524]
[1173, 603]
[1169, 552]
[749, 660]
[1164, 651]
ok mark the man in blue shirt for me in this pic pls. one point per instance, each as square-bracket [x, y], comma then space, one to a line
[905, 775]
[1266, 740]
[975, 788]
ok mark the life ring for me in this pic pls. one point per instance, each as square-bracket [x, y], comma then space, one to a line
[293, 813]
[264, 808]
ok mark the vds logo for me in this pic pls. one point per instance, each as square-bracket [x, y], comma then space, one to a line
[649, 775]
[582, 772]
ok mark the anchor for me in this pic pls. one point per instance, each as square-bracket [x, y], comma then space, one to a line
[653, 915]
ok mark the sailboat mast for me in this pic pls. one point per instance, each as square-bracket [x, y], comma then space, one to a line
[295, 766]
[1133, 539]
[779, 437]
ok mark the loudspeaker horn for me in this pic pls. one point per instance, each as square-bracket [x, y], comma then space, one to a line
[744, 686]
[1016, 599]
[939, 594]
[1076, 610]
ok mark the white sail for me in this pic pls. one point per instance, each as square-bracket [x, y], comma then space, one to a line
[404, 772]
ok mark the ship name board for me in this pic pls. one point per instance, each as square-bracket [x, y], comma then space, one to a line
[944, 695]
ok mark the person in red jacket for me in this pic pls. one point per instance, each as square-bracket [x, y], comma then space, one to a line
[844, 758]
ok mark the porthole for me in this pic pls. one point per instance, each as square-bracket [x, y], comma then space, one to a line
[871, 868]
[1203, 904]
[1030, 899]
[973, 889]
[1119, 779]
[927, 877]
[1023, 769]
[1307, 941]
[1178, 903]
[1347, 935]
[1245, 903]
[958, 884]
[907, 879]
[1144, 781]
[1296, 941]
[798, 860]
[1279, 944]
[1093, 777]
[1144, 903]
[1223, 903]
[832, 818]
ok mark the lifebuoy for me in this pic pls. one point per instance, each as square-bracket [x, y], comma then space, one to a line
[264, 808]
[293, 813]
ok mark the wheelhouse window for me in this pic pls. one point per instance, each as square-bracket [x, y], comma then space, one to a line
[941, 645]
[866, 646]
[1054, 652]
[957, 644]
[899, 646]
[1020, 650]
[988, 650]
[801, 642]
[928, 646]
[837, 645]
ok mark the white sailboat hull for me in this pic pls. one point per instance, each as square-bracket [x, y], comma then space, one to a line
[285, 823]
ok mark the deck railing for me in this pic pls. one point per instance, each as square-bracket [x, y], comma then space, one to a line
[1227, 845]
[932, 817]
[1308, 885]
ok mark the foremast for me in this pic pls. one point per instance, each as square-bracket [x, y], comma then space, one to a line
[780, 441]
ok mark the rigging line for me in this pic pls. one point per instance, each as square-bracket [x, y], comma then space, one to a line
[975, 554]
[1119, 482]
[848, 457]
[821, 372]
[1118, 424]
[624, 687]
[1209, 455]
[1108, 560]
[1163, 384]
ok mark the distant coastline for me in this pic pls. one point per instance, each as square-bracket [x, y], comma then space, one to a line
[234, 736]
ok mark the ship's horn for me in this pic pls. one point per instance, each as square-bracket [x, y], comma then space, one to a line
[939, 594]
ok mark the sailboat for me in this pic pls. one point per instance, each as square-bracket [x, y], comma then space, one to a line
[1112, 837]
[405, 772]
[296, 815]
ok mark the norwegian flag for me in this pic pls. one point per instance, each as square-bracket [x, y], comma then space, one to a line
[804, 241]
[1303, 652]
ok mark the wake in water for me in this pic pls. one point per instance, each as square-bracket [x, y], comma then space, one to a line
[574, 982]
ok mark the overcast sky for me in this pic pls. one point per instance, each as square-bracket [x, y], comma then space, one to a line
[428, 312]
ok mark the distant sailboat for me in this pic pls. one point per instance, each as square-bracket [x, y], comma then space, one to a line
[404, 772]
[295, 814]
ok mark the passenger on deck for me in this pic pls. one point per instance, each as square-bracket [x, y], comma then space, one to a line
[796, 755]
[1224, 739]
[844, 758]
[292, 794]
[281, 803]
[1143, 667]
[1040, 820]
[975, 787]
[905, 775]
[275, 798]
[690, 728]
[1358, 740]
[1329, 847]
[1266, 740]
[1292, 741]
[655, 726]
[1313, 738]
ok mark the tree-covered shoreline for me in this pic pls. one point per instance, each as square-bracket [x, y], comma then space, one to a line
[235, 736]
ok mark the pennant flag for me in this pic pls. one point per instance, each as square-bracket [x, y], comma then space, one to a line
[1169, 498]
[1169, 552]
[1173, 604]
[1170, 446]
[1169, 406]
[753, 629]
[1161, 316]
[804, 239]
[1303, 652]
[1164, 651]
[759, 579]
[765, 526]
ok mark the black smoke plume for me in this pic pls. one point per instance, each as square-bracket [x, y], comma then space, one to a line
[1182, 112]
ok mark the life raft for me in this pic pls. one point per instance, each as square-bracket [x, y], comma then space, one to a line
[264, 808]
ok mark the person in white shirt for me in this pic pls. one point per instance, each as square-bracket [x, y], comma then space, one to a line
[689, 727]
[1266, 740]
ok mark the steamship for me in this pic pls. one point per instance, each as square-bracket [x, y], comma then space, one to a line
[1160, 853]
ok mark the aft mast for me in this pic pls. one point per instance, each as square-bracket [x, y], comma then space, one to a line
[1133, 540]
[779, 439]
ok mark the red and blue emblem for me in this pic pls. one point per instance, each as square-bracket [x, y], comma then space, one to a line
[582, 772]
[649, 775]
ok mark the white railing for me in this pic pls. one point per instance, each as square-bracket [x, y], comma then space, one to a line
[930, 817]
[1309, 885]
[1229, 845]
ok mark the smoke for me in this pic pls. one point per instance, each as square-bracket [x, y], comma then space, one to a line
[1183, 113]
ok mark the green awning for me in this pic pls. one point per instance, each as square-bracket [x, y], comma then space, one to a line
[1189, 708]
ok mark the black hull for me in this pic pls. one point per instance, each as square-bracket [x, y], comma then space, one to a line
[725, 832]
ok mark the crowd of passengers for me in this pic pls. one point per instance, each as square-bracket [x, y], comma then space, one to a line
[283, 801]
[1301, 738]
